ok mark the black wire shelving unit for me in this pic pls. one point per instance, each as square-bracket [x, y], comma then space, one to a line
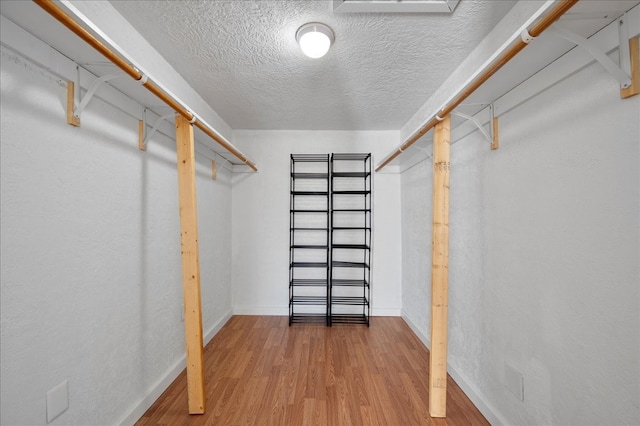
[309, 239]
[350, 241]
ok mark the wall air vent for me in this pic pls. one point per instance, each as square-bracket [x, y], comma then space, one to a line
[394, 6]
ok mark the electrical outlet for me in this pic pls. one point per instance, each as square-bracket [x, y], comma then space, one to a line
[57, 401]
[514, 381]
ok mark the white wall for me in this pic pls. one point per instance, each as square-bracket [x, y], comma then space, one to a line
[261, 218]
[90, 268]
[544, 255]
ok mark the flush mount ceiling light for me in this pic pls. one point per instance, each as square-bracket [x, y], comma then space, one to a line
[314, 39]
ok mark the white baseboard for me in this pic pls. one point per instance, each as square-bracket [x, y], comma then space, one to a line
[375, 312]
[488, 411]
[386, 312]
[260, 311]
[154, 393]
[424, 339]
[215, 328]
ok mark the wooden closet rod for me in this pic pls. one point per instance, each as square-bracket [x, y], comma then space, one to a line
[54, 10]
[556, 12]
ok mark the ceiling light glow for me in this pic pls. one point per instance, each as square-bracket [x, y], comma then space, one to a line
[314, 39]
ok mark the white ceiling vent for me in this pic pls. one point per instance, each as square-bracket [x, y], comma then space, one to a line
[394, 6]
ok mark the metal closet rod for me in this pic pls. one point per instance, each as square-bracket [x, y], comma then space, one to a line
[54, 10]
[537, 29]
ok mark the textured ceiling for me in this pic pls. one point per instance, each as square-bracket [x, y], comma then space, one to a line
[241, 56]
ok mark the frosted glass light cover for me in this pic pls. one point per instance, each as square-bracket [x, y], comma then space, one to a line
[314, 39]
[315, 44]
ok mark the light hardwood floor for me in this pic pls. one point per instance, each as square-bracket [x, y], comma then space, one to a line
[260, 371]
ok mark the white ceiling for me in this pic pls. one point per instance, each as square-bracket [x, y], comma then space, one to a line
[241, 56]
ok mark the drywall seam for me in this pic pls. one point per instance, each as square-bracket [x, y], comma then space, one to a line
[477, 398]
[154, 393]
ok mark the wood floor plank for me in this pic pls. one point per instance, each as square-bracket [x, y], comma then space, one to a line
[260, 371]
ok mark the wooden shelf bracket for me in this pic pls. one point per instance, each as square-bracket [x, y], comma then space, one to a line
[71, 118]
[495, 143]
[629, 57]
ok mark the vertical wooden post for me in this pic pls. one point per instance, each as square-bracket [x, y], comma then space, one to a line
[190, 264]
[440, 270]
